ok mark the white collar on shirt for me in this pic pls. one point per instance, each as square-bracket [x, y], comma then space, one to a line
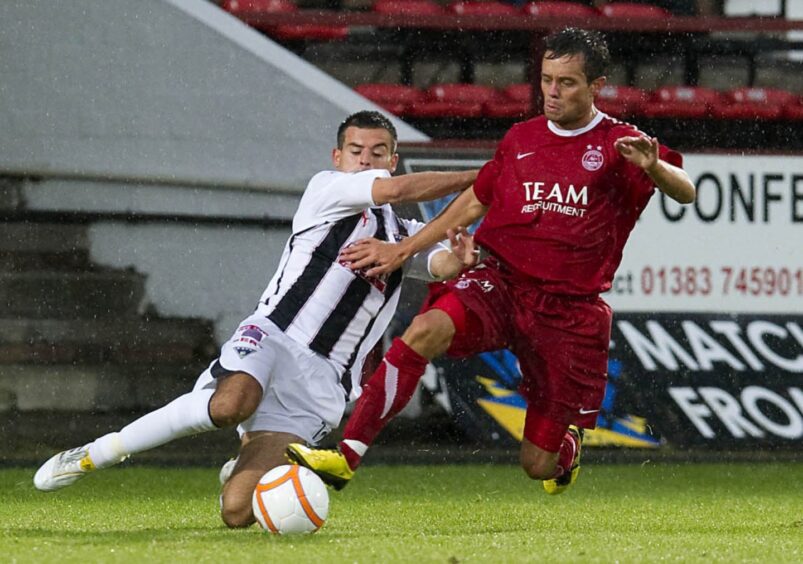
[574, 132]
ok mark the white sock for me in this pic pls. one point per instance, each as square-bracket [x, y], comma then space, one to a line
[185, 415]
[357, 446]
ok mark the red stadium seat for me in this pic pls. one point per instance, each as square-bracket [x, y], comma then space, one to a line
[559, 10]
[482, 9]
[398, 99]
[454, 100]
[271, 6]
[620, 101]
[514, 101]
[408, 7]
[692, 102]
[794, 111]
[755, 103]
[519, 92]
[634, 11]
[461, 93]
[284, 32]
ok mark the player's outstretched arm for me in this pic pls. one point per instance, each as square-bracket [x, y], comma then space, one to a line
[673, 181]
[380, 258]
[420, 186]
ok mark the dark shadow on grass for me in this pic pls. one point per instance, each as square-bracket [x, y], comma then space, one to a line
[167, 535]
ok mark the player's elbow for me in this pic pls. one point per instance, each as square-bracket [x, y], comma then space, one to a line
[686, 196]
[684, 193]
[687, 193]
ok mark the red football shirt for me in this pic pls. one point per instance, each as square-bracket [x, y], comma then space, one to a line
[563, 203]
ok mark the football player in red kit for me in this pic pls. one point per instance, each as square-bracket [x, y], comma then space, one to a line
[559, 200]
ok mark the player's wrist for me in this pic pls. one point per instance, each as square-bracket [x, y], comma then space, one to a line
[469, 177]
[654, 169]
[406, 248]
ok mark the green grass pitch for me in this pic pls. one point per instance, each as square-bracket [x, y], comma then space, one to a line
[615, 513]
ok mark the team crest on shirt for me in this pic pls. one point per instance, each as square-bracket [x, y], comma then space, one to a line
[593, 158]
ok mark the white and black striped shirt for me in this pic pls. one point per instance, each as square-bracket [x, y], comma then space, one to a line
[323, 304]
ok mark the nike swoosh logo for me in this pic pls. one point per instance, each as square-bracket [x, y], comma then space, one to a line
[587, 411]
[522, 155]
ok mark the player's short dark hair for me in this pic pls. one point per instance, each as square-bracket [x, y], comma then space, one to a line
[574, 41]
[366, 119]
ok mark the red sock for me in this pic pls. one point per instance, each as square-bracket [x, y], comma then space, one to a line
[568, 448]
[387, 392]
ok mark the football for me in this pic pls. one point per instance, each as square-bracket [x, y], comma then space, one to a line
[289, 500]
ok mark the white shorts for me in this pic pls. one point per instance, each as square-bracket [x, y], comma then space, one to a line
[301, 391]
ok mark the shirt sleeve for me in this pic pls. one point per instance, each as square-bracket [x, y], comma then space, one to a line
[486, 179]
[670, 155]
[418, 266]
[333, 195]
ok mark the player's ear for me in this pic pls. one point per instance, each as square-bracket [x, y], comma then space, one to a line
[394, 162]
[336, 154]
[597, 85]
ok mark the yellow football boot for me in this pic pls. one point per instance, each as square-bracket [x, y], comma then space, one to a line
[329, 464]
[561, 484]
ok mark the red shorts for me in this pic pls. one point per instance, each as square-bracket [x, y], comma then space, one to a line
[561, 341]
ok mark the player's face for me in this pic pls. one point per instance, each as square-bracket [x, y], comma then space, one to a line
[365, 149]
[568, 96]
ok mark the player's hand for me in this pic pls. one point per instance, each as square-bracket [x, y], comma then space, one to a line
[642, 151]
[375, 256]
[463, 247]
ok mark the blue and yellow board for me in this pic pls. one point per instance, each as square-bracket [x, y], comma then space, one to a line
[507, 407]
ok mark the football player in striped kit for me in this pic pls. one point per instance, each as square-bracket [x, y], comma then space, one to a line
[288, 370]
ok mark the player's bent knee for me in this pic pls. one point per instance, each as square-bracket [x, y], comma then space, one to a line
[539, 471]
[539, 465]
[237, 515]
[229, 411]
[236, 401]
[432, 330]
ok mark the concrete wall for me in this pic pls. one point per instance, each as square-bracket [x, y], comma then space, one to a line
[163, 90]
[168, 110]
[209, 271]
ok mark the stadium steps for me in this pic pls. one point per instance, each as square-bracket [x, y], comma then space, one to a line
[136, 341]
[95, 388]
[31, 237]
[26, 246]
[47, 274]
[79, 336]
[71, 294]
